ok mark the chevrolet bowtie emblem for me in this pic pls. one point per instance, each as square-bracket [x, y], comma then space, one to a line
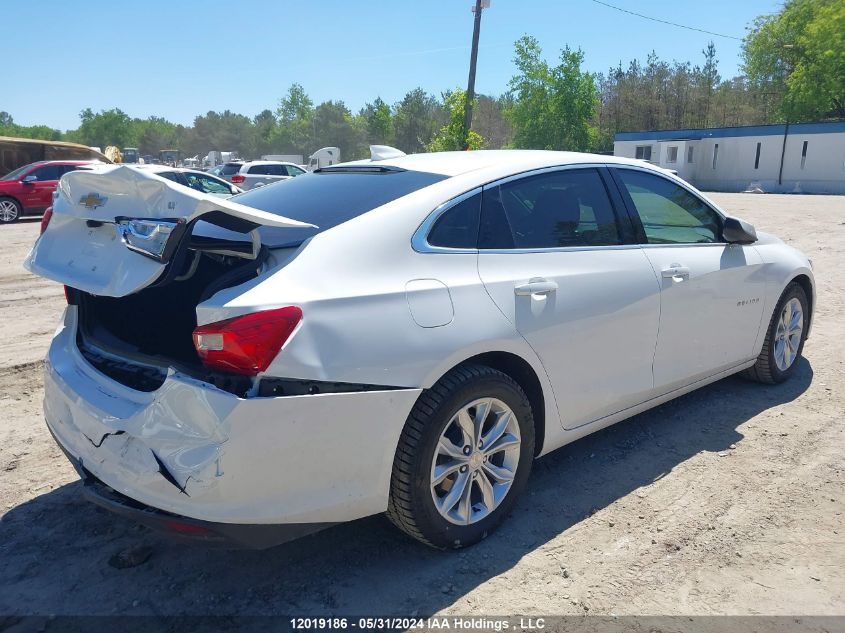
[92, 201]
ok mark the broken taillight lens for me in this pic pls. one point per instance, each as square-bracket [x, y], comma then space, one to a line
[247, 344]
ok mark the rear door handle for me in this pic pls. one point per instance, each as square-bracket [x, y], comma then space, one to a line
[676, 272]
[536, 286]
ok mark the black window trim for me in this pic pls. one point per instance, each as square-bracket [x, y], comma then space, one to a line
[634, 216]
[627, 229]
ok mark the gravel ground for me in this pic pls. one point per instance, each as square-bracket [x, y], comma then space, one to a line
[726, 501]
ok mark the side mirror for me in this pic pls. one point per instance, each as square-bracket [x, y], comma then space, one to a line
[737, 231]
[29, 180]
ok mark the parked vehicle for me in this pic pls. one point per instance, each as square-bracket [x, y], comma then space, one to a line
[131, 155]
[324, 157]
[201, 181]
[257, 173]
[401, 336]
[29, 190]
[170, 157]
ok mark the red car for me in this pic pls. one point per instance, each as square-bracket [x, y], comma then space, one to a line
[28, 190]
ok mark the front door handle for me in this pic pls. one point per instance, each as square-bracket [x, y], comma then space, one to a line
[536, 286]
[676, 272]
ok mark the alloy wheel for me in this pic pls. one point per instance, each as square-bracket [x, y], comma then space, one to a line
[790, 327]
[475, 462]
[8, 211]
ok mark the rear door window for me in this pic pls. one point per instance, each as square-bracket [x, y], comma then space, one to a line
[557, 209]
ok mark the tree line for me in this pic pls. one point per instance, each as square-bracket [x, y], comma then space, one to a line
[793, 70]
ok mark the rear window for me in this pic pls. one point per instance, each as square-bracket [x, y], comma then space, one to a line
[230, 169]
[328, 198]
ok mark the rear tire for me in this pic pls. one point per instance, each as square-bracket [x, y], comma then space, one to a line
[785, 338]
[10, 210]
[469, 399]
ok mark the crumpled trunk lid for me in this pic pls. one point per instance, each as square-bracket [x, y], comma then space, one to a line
[115, 228]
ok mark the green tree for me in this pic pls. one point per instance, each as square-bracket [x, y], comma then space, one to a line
[416, 119]
[334, 126]
[378, 122]
[552, 105]
[295, 113]
[799, 54]
[156, 134]
[265, 130]
[107, 127]
[451, 136]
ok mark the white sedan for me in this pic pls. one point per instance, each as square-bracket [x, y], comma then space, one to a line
[401, 335]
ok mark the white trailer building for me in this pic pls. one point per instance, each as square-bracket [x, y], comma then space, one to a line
[798, 157]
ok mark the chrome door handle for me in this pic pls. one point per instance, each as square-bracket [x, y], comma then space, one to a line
[676, 272]
[536, 286]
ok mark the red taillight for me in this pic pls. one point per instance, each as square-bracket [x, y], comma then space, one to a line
[246, 344]
[238, 179]
[67, 293]
[191, 529]
[45, 220]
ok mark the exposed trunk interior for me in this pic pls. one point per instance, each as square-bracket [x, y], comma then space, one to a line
[134, 339]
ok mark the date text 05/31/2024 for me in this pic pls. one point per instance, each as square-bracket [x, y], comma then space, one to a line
[424, 624]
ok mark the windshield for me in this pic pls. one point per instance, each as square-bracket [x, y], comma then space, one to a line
[329, 198]
[14, 175]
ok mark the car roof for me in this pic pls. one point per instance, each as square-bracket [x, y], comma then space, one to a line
[515, 160]
[160, 168]
[265, 162]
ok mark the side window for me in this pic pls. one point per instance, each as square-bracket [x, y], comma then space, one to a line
[206, 184]
[169, 175]
[277, 170]
[457, 227]
[669, 213]
[48, 172]
[562, 208]
[294, 171]
[260, 170]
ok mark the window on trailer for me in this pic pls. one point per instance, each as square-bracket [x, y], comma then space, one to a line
[672, 155]
[804, 153]
[715, 154]
[757, 157]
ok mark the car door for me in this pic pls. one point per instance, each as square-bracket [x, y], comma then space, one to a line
[711, 297]
[256, 175]
[38, 193]
[560, 263]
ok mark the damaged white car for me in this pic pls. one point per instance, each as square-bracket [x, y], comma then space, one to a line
[401, 335]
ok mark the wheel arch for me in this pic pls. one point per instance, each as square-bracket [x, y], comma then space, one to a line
[11, 197]
[526, 377]
[807, 286]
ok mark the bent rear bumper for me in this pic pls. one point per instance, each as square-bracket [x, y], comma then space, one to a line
[191, 450]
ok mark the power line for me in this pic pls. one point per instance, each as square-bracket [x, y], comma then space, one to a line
[683, 26]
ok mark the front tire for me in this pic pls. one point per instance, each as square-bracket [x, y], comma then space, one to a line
[784, 338]
[10, 210]
[463, 458]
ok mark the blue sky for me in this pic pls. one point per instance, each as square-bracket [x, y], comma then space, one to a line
[181, 58]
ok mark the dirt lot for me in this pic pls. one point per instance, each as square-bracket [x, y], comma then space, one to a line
[729, 500]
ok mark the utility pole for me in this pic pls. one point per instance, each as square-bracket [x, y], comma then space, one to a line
[479, 6]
